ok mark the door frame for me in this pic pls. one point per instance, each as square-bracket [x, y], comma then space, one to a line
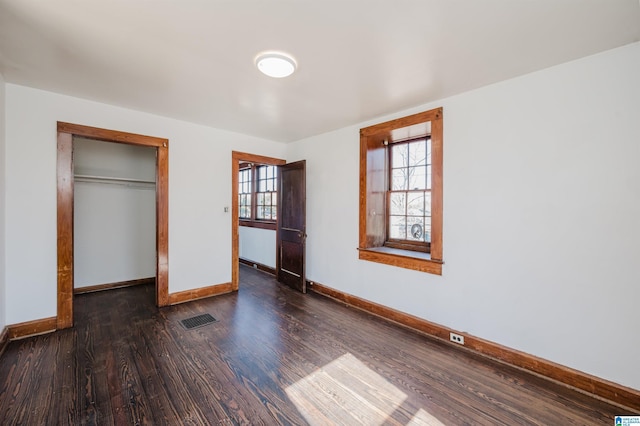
[236, 158]
[65, 193]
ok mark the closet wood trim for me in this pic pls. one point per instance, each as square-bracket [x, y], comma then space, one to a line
[110, 135]
[65, 230]
[66, 132]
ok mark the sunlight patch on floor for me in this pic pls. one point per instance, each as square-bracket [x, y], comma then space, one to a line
[347, 392]
[422, 418]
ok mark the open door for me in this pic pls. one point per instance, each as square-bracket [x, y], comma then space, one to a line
[291, 230]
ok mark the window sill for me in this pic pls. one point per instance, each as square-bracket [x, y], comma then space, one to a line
[258, 224]
[408, 259]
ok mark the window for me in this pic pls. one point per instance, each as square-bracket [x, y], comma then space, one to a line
[257, 195]
[266, 193]
[244, 203]
[409, 195]
[401, 192]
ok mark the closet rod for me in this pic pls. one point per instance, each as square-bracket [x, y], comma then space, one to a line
[113, 180]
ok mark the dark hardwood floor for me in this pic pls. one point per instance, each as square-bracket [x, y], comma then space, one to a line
[274, 357]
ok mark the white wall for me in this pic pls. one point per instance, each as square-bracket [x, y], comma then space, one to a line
[258, 245]
[110, 159]
[199, 189]
[541, 216]
[3, 300]
[114, 222]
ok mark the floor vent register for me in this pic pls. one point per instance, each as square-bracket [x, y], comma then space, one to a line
[198, 321]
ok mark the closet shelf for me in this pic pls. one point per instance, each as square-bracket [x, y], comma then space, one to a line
[113, 180]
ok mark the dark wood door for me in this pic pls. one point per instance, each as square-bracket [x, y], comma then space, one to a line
[291, 231]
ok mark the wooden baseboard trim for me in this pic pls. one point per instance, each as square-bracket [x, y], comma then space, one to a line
[4, 340]
[259, 266]
[32, 328]
[110, 286]
[612, 392]
[199, 293]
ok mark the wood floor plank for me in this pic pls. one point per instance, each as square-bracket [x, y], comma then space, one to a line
[274, 356]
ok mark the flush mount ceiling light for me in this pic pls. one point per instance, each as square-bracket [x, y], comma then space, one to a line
[276, 64]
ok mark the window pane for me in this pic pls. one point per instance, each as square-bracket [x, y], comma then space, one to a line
[399, 154]
[415, 225]
[415, 204]
[429, 151]
[417, 153]
[260, 199]
[398, 203]
[397, 227]
[244, 181]
[427, 204]
[244, 206]
[399, 179]
[417, 177]
[427, 229]
[428, 177]
[260, 212]
[267, 199]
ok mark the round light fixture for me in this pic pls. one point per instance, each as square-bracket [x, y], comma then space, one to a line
[275, 64]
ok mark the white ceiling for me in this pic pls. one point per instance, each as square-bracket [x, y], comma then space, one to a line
[358, 59]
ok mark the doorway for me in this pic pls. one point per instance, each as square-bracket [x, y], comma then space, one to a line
[236, 159]
[290, 225]
[65, 191]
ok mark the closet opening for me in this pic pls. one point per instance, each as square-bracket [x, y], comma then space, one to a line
[112, 213]
[114, 216]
